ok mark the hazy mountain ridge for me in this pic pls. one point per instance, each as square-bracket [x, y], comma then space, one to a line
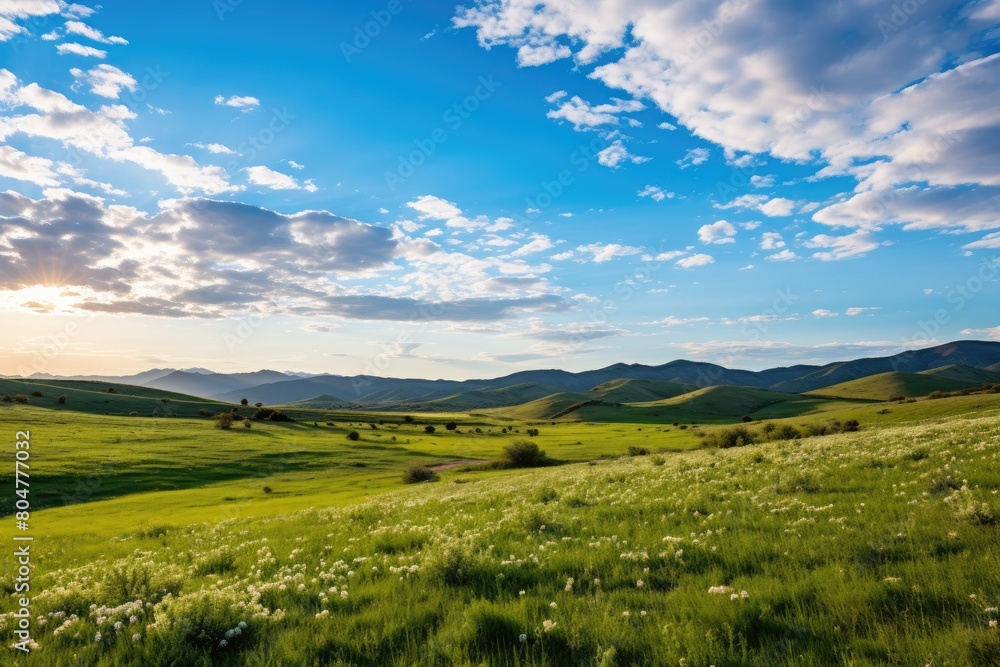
[274, 387]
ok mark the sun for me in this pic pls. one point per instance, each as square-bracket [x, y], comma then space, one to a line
[37, 299]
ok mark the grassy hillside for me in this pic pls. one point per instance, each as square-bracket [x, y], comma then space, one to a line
[883, 386]
[869, 548]
[635, 391]
[94, 397]
[479, 399]
[321, 402]
[973, 376]
[722, 401]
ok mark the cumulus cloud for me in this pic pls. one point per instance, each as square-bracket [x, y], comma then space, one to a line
[695, 260]
[275, 180]
[718, 233]
[693, 157]
[24, 167]
[856, 244]
[585, 116]
[601, 252]
[84, 30]
[771, 207]
[785, 255]
[72, 48]
[616, 154]
[992, 333]
[655, 193]
[105, 80]
[771, 241]
[920, 133]
[241, 102]
[538, 243]
[823, 312]
[855, 311]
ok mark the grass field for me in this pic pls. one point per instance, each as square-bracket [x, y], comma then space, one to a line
[876, 547]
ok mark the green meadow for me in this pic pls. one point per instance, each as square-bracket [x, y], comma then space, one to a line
[165, 540]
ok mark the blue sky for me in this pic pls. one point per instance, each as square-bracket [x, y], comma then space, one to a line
[464, 191]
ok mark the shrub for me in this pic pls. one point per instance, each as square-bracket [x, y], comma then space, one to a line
[279, 416]
[735, 436]
[969, 508]
[451, 426]
[408, 419]
[6, 398]
[61, 400]
[658, 460]
[747, 419]
[203, 412]
[851, 426]
[637, 451]
[353, 435]
[224, 421]
[20, 398]
[417, 473]
[266, 489]
[37, 393]
[258, 405]
[429, 429]
[244, 401]
[523, 454]
[373, 427]
[532, 432]
[247, 423]
[263, 413]
[111, 390]
[936, 394]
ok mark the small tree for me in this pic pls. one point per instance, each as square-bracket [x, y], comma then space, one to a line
[451, 426]
[244, 401]
[418, 473]
[533, 432]
[61, 400]
[522, 454]
[111, 390]
[408, 419]
[429, 429]
[224, 421]
[353, 435]
[258, 405]
[37, 393]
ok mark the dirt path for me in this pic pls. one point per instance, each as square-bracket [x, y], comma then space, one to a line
[455, 464]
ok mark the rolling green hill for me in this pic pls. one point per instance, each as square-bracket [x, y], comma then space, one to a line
[635, 391]
[884, 386]
[320, 402]
[973, 376]
[721, 401]
[94, 397]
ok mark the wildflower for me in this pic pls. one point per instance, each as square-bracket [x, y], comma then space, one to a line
[522, 638]
[626, 613]
[242, 625]
[719, 590]
[569, 584]
[734, 596]
[118, 625]
[993, 623]
[639, 583]
[136, 637]
[548, 625]
[642, 613]
[223, 644]
[521, 593]
[133, 619]
[553, 605]
[97, 637]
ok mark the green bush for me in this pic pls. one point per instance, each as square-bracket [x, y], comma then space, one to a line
[429, 429]
[353, 435]
[224, 421]
[734, 436]
[523, 454]
[417, 473]
[637, 451]
[61, 400]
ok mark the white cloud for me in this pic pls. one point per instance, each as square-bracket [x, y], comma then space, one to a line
[671, 321]
[785, 255]
[991, 333]
[23, 167]
[586, 116]
[562, 256]
[655, 193]
[761, 181]
[218, 149]
[879, 107]
[435, 208]
[823, 312]
[855, 311]
[241, 102]
[538, 243]
[667, 126]
[693, 157]
[771, 241]
[295, 165]
[776, 207]
[988, 241]
[749, 226]
[616, 154]
[695, 260]
[105, 80]
[606, 252]
[842, 247]
[275, 180]
[718, 233]
[80, 50]
[748, 267]
[84, 30]
[665, 256]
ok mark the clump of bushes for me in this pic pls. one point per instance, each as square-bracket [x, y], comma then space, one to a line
[417, 473]
[532, 432]
[451, 426]
[429, 429]
[523, 454]
[740, 435]
[224, 421]
[37, 393]
[263, 413]
[637, 451]
[353, 435]
[61, 400]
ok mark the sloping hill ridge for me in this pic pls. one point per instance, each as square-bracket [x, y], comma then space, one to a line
[883, 386]
[723, 400]
[636, 391]
[977, 376]
[272, 387]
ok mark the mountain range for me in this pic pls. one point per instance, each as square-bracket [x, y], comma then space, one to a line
[367, 391]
